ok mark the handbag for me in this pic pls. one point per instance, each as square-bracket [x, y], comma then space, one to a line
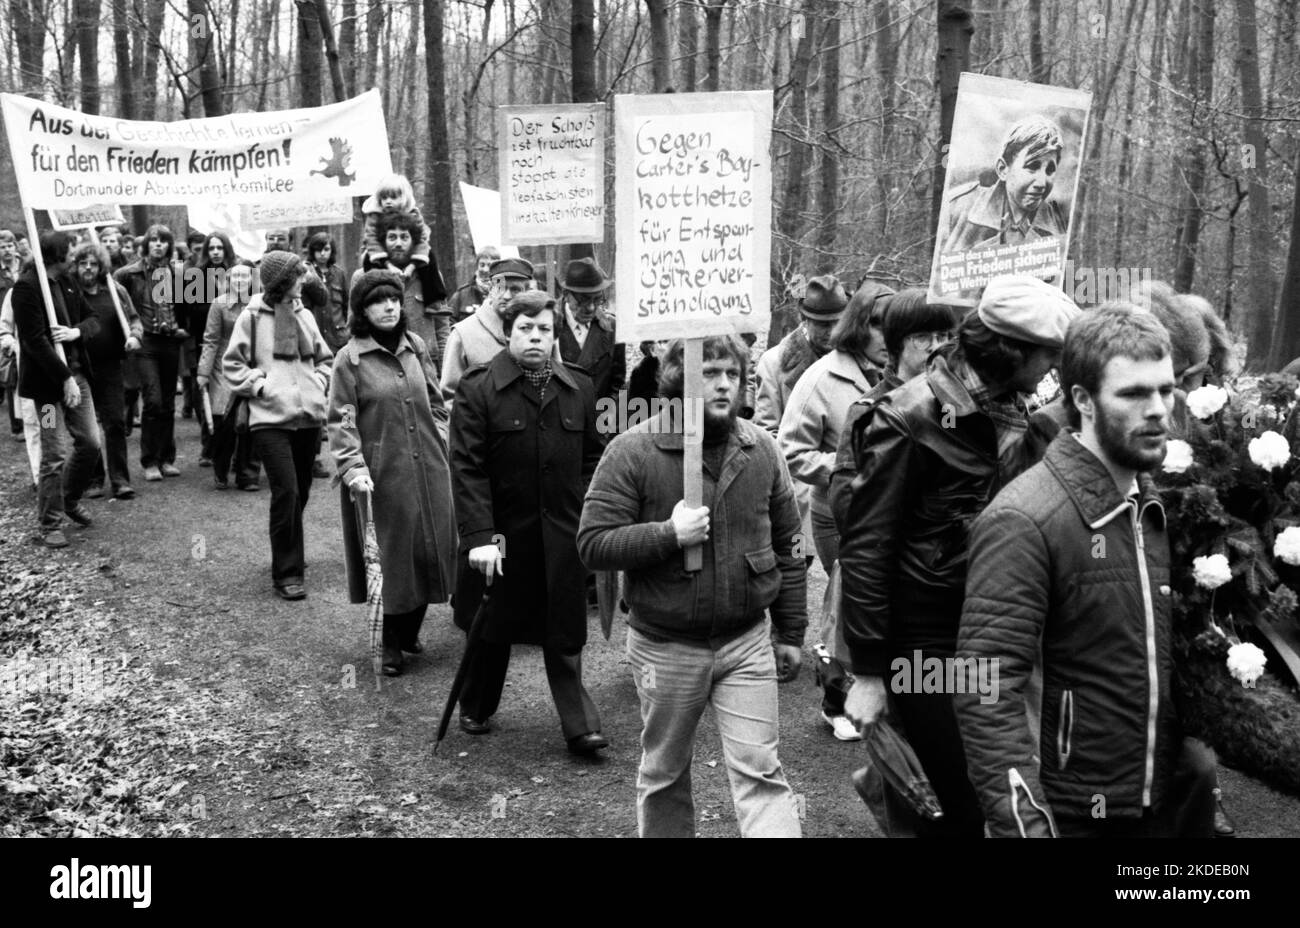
[8, 369]
[239, 406]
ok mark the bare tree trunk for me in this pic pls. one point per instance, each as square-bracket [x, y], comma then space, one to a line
[660, 50]
[374, 27]
[955, 29]
[713, 44]
[1152, 116]
[829, 195]
[1259, 314]
[122, 61]
[798, 153]
[438, 202]
[148, 78]
[309, 53]
[229, 67]
[1125, 164]
[887, 68]
[348, 46]
[202, 40]
[331, 51]
[1286, 328]
[688, 42]
[87, 26]
[1039, 70]
[582, 41]
[1202, 69]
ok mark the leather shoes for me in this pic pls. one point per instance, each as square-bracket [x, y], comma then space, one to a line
[473, 726]
[589, 743]
[1223, 826]
[392, 662]
[413, 647]
[123, 492]
[291, 590]
[77, 513]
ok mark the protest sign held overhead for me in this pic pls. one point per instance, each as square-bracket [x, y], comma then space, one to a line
[323, 211]
[67, 159]
[693, 191]
[552, 169]
[1012, 175]
[98, 214]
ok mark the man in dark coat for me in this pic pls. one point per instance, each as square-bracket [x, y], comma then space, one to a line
[524, 445]
[60, 387]
[586, 329]
[467, 299]
[1111, 758]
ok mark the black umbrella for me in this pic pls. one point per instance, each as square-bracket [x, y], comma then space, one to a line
[894, 770]
[458, 682]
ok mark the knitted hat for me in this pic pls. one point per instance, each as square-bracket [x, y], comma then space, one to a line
[1023, 307]
[278, 268]
[375, 285]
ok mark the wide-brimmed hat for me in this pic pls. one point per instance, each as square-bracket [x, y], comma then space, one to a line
[824, 299]
[511, 267]
[583, 275]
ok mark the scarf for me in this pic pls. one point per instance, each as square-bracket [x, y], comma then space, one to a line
[538, 378]
[1009, 417]
[291, 340]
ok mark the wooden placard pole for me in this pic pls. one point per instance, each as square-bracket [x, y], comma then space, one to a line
[693, 437]
[550, 271]
[34, 240]
[112, 290]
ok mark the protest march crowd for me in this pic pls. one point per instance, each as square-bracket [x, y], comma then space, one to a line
[955, 502]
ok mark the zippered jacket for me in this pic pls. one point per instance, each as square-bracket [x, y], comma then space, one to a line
[1061, 561]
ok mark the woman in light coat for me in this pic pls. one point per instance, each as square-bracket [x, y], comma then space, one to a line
[227, 446]
[285, 376]
[388, 436]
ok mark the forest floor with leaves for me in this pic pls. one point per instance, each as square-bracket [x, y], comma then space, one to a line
[151, 684]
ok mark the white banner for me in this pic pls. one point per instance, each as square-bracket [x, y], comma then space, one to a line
[552, 170]
[693, 194]
[100, 214]
[327, 211]
[67, 159]
[483, 213]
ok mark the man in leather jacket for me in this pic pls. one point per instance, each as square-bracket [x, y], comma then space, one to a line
[936, 451]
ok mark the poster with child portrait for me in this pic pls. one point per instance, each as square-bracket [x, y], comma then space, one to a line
[1012, 175]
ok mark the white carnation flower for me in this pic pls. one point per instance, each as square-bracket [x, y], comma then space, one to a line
[1246, 662]
[1212, 571]
[1204, 402]
[1178, 456]
[1286, 547]
[1270, 450]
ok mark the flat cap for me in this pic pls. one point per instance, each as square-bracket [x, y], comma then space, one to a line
[511, 267]
[1023, 307]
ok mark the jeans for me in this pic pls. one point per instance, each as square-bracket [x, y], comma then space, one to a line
[486, 677]
[156, 362]
[287, 455]
[675, 680]
[110, 407]
[65, 477]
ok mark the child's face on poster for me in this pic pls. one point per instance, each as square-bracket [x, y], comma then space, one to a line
[1029, 178]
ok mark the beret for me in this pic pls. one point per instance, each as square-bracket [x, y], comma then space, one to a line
[364, 291]
[1023, 307]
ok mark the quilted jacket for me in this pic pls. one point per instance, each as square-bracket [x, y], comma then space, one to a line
[1062, 563]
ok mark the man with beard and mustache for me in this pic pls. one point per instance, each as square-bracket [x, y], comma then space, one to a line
[698, 639]
[1069, 570]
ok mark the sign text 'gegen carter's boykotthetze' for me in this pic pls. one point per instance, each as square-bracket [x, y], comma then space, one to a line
[67, 159]
[693, 208]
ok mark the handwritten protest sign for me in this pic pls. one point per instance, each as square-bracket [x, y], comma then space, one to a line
[273, 214]
[693, 190]
[552, 169]
[100, 214]
[67, 159]
[1012, 177]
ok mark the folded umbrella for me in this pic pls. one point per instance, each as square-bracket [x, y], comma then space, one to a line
[607, 598]
[894, 769]
[374, 579]
[207, 410]
[458, 682]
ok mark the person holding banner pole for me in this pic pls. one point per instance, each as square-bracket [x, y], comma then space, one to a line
[107, 350]
[150, 283]
[55, 375]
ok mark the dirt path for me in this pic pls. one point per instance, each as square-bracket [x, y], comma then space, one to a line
[266, 714]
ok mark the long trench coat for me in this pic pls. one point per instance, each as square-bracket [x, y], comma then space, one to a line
[520, 471]
[386, 416]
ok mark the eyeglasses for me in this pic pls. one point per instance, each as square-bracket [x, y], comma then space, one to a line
[928, 340]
